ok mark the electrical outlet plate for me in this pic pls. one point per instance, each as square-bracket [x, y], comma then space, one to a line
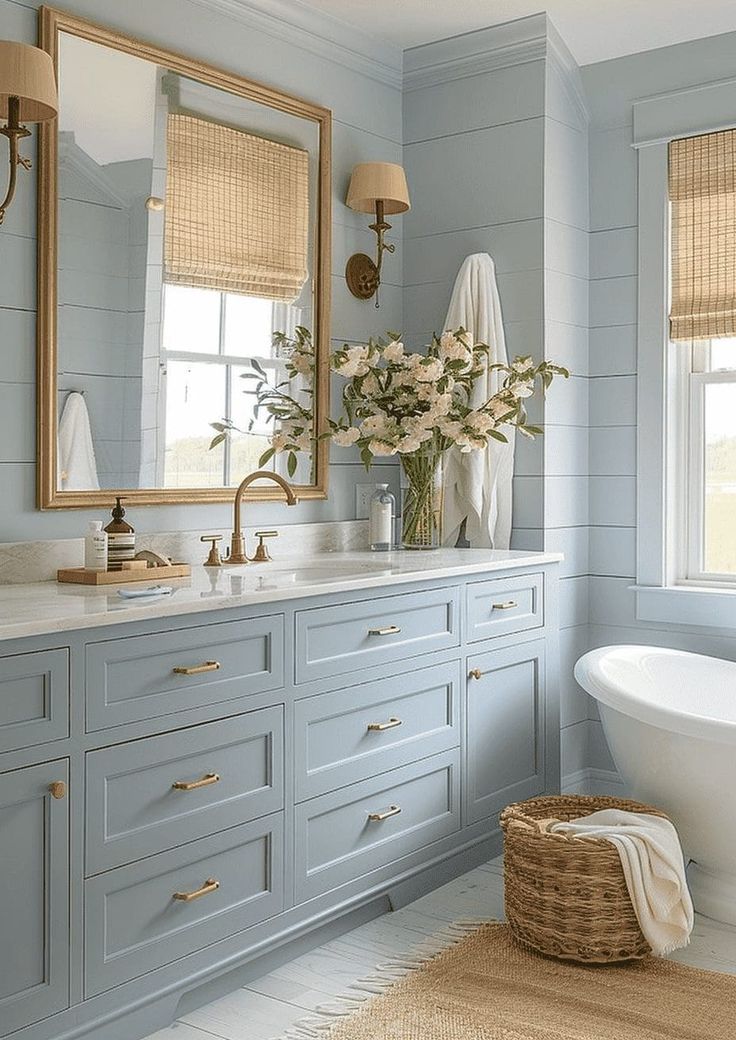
[363, 493]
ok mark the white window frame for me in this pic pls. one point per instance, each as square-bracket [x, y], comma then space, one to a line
[665, 593]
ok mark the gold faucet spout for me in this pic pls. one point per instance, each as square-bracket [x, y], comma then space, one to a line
[237, 546]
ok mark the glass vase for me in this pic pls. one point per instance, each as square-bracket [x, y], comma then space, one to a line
[422, 500]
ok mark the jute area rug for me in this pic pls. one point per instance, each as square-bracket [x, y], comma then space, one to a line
[488, 987]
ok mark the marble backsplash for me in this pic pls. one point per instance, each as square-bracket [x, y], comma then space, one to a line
[39, 561]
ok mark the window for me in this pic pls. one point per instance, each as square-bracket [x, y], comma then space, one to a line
[209, 339]
[702, 321]
[709, 502]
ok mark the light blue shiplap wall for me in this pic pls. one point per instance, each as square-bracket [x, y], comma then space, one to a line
[474, 157]
[565, 443]
[611, 88]
[495, 133]
[357, 78]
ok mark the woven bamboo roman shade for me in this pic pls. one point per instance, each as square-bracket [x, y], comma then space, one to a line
[702, 187]
[237, 211]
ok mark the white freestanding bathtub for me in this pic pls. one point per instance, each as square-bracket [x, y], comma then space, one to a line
[670, 720]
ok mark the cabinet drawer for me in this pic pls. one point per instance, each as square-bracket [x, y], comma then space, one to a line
[364, 730]
[337, 841]
[133, 809]
[332, 640]
[139, 678]
[134, 923]
[504, 605]
[34, 698]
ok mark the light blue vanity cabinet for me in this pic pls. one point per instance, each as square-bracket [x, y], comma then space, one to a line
[182, 794]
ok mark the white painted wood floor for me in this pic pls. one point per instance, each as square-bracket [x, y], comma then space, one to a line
[267, 1006]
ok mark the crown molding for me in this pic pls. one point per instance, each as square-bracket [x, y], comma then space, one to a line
[327, 37]
[471, 54]
[563, 63]
[73, 158]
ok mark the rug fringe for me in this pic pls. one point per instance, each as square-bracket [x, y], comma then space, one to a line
[318, 1024]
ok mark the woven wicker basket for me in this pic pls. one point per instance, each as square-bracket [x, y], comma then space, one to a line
[566, 896]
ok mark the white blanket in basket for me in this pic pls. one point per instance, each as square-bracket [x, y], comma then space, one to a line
[654, 869]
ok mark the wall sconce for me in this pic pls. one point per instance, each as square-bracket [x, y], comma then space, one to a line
[27, 95]
[381, 188]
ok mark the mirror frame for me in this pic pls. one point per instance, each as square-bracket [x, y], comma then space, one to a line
[52, 22]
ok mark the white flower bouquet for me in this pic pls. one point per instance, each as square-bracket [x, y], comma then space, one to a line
[399, 402]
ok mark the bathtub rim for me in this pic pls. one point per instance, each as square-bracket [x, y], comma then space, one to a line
[617, 697]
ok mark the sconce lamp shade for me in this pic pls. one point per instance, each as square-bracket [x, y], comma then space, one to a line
[373, 182]
[27, 73]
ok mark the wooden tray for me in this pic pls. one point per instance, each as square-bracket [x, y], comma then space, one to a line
[81, 576]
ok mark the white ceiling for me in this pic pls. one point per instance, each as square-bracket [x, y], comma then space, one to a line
[594, 30]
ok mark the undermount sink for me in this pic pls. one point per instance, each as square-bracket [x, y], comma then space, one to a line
[283, 574]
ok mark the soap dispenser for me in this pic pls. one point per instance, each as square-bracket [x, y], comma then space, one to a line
[381, 519]
[120, 539]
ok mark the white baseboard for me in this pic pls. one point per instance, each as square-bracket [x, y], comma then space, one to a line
[594, 781]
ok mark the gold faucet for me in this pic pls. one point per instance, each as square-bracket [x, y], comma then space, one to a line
[237, 545]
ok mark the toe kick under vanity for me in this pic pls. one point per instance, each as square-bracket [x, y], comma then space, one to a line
[187, 784]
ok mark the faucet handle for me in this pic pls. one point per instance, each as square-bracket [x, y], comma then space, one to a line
[214, 559]
[262, 554]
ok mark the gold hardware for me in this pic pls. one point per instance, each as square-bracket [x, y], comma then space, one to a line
[193, 785]
[379, 727]
[214, 559]
[381, 187]
[237, 545]
[57, 789]
[475, 673]
[378, 817]
[508, 605]
[197, 669]
[389, 630]
[262, 554]
[210, 885]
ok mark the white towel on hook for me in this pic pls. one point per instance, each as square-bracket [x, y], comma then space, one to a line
[478, 484]
[654, 869]
[77, 464]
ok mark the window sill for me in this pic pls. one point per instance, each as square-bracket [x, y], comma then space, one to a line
[683, 605]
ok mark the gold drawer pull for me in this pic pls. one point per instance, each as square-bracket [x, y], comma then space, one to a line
[210, 885]
[378, 817]
[198, 669]
[475, 673]
[508, 605]
[57, 789]
[379, 727]
[389, 630]
[192, 785]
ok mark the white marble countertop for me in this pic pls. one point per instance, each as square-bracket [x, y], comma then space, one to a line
[42, 608]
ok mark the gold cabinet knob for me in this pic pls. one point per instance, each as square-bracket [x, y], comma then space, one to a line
[508, 605]
[475, 673]
[57, 789]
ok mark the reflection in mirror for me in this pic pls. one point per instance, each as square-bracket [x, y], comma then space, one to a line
[188, 228]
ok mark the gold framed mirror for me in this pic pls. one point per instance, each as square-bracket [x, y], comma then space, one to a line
[183, 246]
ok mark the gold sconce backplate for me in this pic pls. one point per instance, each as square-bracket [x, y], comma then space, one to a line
[361, 274]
